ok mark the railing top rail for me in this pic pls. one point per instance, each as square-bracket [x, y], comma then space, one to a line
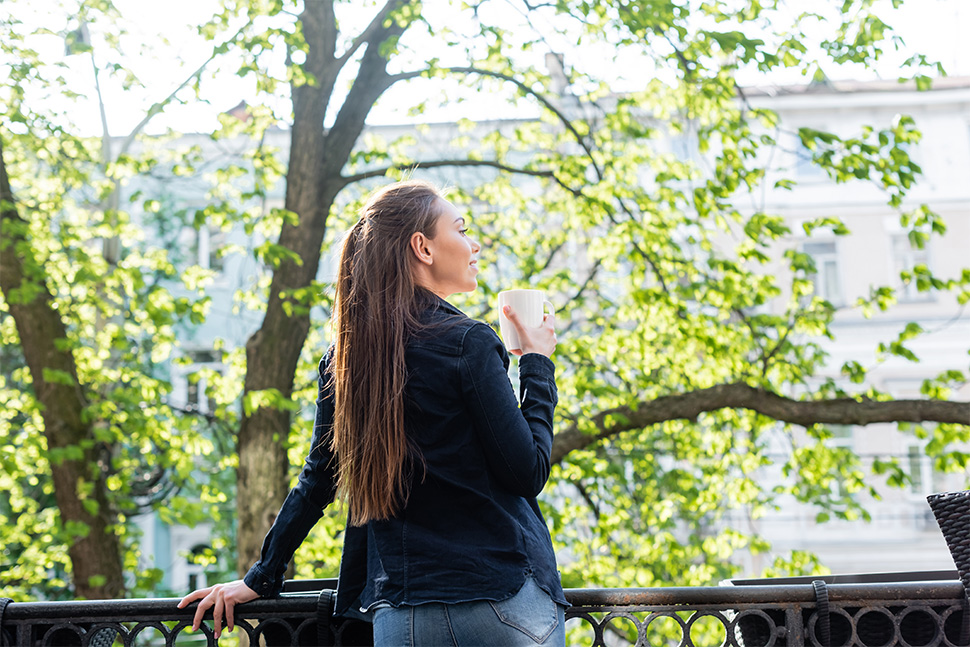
[765, 594]
[148, 609]
[659, 596]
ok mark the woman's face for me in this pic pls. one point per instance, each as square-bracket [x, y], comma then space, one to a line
[454, 255]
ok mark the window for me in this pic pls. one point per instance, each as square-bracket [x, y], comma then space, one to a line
[196, 382]
[917, 468]
[905, 258]
[827, 282]
[210, 240]
[684, 145]
[924, 480]
[203, 246]
[804, 168]
[842, 438]
[195, 567]
[195, 398]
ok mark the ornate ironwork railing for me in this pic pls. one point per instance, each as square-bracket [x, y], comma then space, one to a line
[911, 614]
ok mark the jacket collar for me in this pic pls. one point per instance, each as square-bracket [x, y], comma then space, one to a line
[441, 304]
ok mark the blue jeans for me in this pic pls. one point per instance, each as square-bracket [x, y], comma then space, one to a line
[527, 619]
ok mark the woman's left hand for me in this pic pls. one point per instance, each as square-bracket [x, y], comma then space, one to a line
[540, 340]
[221, 598]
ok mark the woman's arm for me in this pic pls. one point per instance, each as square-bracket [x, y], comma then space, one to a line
[517, 438]
[315, 489]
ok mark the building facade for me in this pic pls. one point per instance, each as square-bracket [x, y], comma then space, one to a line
[903, 535]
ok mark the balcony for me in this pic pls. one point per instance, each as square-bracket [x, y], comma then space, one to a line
[927, 613]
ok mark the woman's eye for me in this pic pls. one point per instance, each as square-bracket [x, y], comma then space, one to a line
[463, 232]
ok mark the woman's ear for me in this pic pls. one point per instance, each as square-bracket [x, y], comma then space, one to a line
[420, 246]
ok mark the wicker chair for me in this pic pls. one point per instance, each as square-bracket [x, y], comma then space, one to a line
[952, 512]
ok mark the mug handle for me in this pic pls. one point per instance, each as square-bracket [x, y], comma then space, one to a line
[552, 308]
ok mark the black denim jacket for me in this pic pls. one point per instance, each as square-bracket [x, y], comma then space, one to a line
[471, 528]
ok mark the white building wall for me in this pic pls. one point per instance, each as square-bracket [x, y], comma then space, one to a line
[903, 535]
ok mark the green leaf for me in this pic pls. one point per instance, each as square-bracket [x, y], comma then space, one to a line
[54, 376]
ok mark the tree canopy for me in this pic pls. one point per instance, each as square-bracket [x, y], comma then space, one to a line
[681, 350]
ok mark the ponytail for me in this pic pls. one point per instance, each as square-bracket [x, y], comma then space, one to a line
[375, 313]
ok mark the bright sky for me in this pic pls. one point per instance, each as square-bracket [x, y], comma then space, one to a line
[934, 27]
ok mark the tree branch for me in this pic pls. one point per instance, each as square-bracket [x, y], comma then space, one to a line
[685, 63]
[552, 255]
[805, 413]
[589, 279]
[579, 292]
[767, 357]
[157, 107]
[653, 265]
[541, 99]
[583, 492]
[375, 24]
[381, 172]
[105, 135]
[370, 83]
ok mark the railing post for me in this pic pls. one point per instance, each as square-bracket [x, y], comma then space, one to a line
[794, 627]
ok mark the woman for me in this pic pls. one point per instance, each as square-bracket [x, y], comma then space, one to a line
[418, 428]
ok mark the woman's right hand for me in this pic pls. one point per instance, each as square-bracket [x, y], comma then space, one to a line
[221, 598]
[540, 340]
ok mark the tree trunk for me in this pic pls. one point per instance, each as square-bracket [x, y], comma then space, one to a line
[313, 180]
[272, 354]
[79, 488]
[273, 351]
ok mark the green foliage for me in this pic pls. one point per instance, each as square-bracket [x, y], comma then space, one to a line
[126, 312]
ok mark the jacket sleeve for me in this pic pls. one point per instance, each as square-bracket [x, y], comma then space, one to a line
[517, 438]
[315, 490]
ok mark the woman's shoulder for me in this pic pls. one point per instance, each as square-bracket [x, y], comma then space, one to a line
[479, 337]
[439, 317]
[454, 330]
[325, 360]
[444, 327]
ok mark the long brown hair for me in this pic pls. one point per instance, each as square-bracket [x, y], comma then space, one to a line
[376, 310]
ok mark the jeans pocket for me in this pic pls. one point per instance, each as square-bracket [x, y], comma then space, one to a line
[531, 611]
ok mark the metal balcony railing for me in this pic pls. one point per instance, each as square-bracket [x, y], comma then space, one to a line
[908, 614]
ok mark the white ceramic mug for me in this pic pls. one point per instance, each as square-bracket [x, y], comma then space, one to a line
[529, 305]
